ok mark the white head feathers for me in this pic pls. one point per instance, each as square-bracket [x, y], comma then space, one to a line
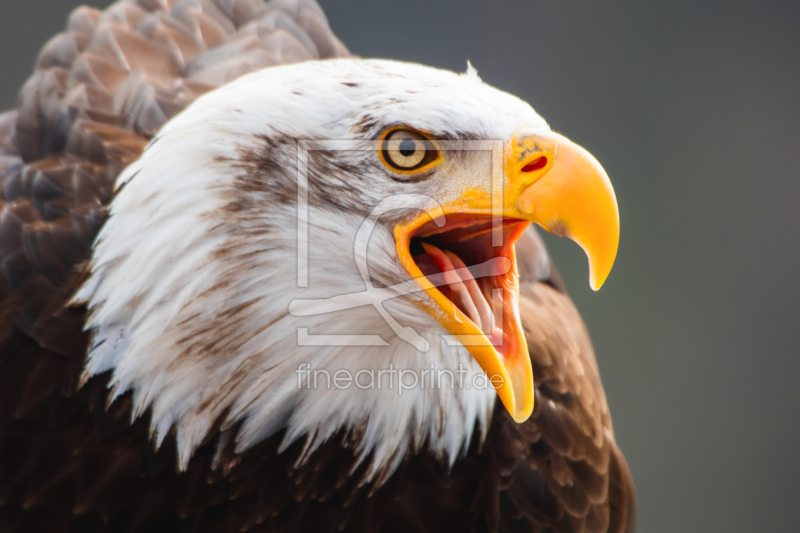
[193, 273]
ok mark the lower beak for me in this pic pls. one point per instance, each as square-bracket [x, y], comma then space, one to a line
[547, 179]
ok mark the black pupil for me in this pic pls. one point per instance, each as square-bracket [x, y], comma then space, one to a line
[407, 147]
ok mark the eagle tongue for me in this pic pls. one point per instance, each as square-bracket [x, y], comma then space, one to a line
[476, 294]
[465, 291]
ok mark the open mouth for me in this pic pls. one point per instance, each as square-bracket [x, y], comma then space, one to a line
[468, 268]
[479, 279]
[469, 274]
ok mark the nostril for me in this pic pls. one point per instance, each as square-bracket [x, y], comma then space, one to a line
[535, 165]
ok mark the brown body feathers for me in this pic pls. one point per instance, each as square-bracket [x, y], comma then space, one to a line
[70, 463]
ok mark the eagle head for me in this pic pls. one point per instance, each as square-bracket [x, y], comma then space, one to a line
[328, 223]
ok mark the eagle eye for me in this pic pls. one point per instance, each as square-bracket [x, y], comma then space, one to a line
[408, 151]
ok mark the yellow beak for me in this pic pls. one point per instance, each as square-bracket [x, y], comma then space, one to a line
[571, 197]
[551, 181]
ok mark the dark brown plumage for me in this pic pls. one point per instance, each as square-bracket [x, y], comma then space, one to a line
[70, 462]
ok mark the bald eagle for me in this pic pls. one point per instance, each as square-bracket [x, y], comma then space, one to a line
[252, 283]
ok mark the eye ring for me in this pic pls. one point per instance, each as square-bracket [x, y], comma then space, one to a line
[408, 151]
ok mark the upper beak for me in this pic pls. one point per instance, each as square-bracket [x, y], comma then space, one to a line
[571, 196]
[555, 183]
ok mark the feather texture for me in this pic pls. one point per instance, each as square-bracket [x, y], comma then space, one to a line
[72, 460]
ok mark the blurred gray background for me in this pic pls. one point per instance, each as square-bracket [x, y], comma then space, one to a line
[693, 108]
